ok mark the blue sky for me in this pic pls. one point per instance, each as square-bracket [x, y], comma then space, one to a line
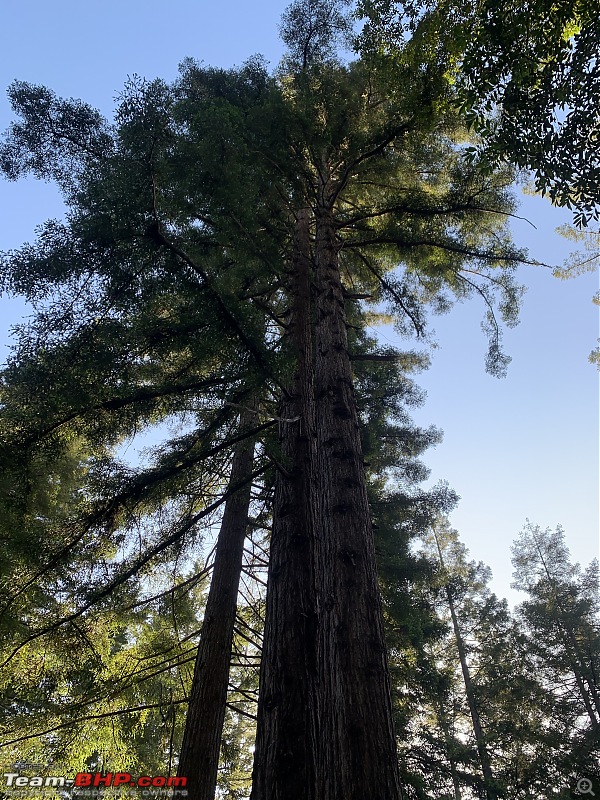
[524, 446]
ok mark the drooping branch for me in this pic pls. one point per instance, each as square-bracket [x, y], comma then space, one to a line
[104, 715]
[134, 492]
[134, 569]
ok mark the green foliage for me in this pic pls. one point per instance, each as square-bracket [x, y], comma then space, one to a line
[560, 616]
[585, 259]
[311, 31]
[524, 75]
[103, 695]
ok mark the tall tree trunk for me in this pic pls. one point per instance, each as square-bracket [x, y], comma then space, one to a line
[583, 691]
[484, 757]
[288, 727]
[199, 759]
[325, 716]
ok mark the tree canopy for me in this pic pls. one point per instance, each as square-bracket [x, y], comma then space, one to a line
[525, 75]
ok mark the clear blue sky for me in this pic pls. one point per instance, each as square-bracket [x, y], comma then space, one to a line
[525, 446]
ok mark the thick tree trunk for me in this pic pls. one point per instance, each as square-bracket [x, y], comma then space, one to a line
[199, 759]
[325, 718]
[287, 729]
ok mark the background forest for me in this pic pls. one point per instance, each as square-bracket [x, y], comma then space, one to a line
[236, 248]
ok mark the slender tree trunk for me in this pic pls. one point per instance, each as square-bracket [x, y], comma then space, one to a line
[584, 694]
[455, 779]
[484, 758]
[199, 759]
[582, 675]
[325, 717]
[443, 721]
[587, 674]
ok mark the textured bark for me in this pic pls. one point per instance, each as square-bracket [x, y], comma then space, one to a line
[325, 718]
[201, 745]
[287, 728]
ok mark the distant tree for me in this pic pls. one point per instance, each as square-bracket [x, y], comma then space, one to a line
[560, 616]
[488, 667]
[445, 538]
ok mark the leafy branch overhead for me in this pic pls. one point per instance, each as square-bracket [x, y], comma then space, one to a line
[525, 76]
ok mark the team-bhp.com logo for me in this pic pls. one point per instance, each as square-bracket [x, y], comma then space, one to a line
[91, 780]
[124, 779]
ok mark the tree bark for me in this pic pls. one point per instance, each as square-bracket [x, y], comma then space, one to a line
[199, 759]
[325, 717]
